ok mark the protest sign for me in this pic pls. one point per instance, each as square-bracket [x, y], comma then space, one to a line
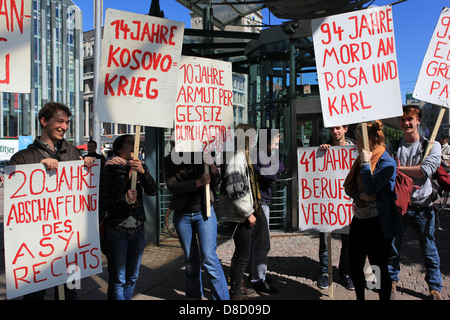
[433, 83]
[15, 46]
[139, 69]
[357, 66]
[204, 111]
[323, 204]
[51, 228]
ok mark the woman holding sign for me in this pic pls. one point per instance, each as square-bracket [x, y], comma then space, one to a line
[244, 198]
[197, 232]
[124, 235]
[370, 183]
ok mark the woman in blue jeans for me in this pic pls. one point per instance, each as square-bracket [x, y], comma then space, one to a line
[197, 232]
[124, 235]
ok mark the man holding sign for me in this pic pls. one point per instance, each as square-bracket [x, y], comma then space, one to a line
[410, 152]
[49, 149]
[338, 138]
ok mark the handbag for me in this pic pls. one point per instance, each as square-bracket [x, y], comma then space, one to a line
[225, 209]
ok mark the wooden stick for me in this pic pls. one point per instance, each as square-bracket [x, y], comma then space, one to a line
[61, 295]
[137, 139]
[365, 135]
[330, 266]
[208, 195]
[435, 131]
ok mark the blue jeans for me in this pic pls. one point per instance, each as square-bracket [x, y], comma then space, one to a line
[198, 234]
[344, 268]
[422, 223]
[124, 254]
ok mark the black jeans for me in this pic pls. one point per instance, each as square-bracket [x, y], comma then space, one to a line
[367, 240]
[242, 241]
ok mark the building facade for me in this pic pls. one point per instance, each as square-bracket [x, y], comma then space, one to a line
[56, 60]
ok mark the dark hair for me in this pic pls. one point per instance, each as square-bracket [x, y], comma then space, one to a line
[374, 132]
[50, 108]
[242, 133]
[92, 141]
[119, 142]
[412, 109]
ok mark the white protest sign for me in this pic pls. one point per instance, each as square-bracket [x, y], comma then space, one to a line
[15, 46]
[50, 225]
[433, 83]
[357, 66]
[204, 111]
[323, 204]
[139, 69]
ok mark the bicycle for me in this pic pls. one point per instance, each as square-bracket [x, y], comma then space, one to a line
[169, 223]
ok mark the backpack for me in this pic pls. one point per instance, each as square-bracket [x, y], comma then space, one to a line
[441, 176]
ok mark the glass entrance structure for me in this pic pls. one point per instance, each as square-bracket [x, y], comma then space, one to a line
[284, 94]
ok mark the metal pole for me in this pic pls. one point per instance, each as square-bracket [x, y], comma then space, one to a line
[293, 138]
[96, 125]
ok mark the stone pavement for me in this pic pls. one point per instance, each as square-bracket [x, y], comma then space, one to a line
[293, 267]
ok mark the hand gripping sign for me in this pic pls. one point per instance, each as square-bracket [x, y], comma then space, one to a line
[323, 204]
[50, 225]
[139, 69]
[357, 66]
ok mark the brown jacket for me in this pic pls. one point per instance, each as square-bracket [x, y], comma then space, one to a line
[36, 152]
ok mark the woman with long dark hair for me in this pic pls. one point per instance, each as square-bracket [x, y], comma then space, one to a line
[124, 235]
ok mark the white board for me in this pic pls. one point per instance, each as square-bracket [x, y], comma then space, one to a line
[204, 111]
[323, 204]
[51, 227]
[357, 66]
[433, 83]
[15, 46]
[139, 69]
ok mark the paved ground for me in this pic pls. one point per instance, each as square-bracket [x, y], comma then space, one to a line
[293, 266]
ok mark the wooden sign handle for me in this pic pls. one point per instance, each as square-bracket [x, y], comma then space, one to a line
[435, 131]
[208, 195]
[365, 135]
[330, 266]
[137, 139]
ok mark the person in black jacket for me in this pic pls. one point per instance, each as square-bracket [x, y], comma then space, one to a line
[196, 231]
[92, 152]
[49, 149]
[124, 234]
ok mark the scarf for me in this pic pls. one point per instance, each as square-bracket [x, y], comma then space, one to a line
[254, 184]
[353, 179]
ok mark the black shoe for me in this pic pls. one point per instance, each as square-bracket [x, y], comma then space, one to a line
[322, 283]
[264, 287]
[347, 282]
